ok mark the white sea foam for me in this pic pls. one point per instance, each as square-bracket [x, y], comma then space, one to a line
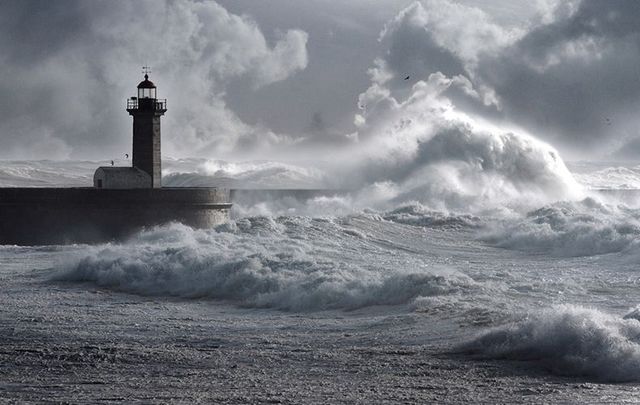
[568, 340]
[419, 215]
[586, 227]
[607, 175]
[292, 264]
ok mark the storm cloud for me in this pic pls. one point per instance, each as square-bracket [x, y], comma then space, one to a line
[564, 77]
[67, 67]
[277, 79]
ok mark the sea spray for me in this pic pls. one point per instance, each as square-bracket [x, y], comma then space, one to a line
[427, 151]
[567, 340]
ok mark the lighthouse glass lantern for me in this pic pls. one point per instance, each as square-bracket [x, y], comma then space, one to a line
[146, 89]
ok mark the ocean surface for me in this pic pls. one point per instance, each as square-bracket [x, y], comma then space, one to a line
[371, 294]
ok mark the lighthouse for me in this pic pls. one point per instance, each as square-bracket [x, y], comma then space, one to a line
[146, 172]
[122, 201]
[146, 110]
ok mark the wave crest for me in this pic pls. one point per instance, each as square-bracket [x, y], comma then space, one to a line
[582, 228]
[570, 341]
[419, 215]
[254, 263]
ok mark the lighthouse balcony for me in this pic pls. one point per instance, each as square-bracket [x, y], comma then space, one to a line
[153, 104]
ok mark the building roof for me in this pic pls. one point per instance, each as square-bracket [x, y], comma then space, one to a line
[146, 83]
[120, 169]
[121, 178]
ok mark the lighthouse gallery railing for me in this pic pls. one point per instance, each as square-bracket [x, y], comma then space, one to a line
[156, 104]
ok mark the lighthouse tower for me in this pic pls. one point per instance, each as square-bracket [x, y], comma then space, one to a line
[146, 172]
[146, 110]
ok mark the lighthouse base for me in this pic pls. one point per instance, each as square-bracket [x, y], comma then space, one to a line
[45, 216]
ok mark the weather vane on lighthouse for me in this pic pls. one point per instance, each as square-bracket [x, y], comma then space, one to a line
[146, 70]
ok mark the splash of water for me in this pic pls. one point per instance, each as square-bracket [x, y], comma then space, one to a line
[568, 340]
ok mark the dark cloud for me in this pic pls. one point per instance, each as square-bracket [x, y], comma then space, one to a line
[28, 26]
[401, 57]
[564, 78]
[68, 67]
[272, 77]
[342, 43]
[569, 77]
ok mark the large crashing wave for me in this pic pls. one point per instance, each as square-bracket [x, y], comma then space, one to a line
[568, 340]
[424, 148]
[293, 264]
[463, 170]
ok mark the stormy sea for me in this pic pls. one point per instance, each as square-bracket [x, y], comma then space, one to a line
[502, 275]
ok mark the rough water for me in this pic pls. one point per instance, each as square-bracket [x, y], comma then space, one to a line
[361, 295]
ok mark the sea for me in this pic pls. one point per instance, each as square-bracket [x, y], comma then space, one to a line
[331, 295]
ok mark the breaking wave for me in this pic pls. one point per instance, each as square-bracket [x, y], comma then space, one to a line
[582, 228]
[420, 147]
[469, 171]
[294, 264]
[568, 341]
[450, 169]
[419, 215]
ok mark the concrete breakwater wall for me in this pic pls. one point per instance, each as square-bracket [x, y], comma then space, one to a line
[34, 216]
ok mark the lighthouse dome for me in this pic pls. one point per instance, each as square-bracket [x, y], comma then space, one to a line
[146, 83]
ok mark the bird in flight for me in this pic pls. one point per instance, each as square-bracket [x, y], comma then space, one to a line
[407, 78]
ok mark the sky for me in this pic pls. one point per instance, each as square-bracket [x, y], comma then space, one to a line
[291, 79]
